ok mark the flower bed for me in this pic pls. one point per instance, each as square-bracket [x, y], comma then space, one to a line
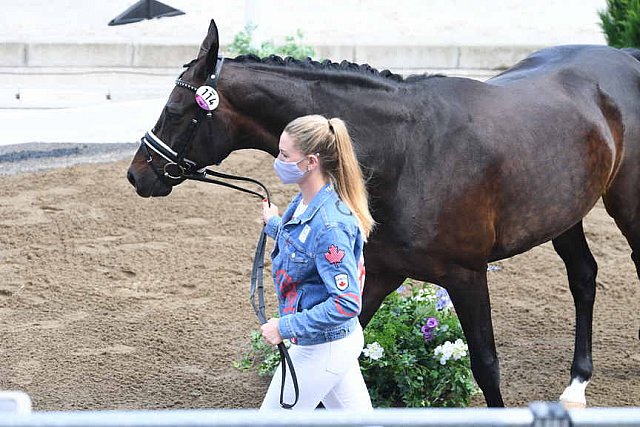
[414, 354]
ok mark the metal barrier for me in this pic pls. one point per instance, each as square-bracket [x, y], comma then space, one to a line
[15, 403]
[539, 414]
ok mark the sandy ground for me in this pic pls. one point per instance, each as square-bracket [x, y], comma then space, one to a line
[110, 301]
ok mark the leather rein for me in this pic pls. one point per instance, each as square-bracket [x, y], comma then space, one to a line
[179, 167]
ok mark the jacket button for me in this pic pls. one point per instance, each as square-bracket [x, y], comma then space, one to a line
[293, 255]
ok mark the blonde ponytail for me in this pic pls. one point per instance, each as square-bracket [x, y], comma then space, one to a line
[330, 139]
[349, 182]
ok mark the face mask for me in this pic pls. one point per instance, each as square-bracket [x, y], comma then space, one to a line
[288, 172]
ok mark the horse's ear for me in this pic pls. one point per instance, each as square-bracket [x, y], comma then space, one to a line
[209, 47]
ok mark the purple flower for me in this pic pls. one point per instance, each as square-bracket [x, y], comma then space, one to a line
[431, 323]
[443, 299]
[427, 329]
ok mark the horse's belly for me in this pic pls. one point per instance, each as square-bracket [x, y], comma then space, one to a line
[538, 216]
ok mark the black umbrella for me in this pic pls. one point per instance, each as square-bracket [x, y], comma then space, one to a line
[145, 9]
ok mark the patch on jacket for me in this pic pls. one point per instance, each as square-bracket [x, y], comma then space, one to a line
[334, 255]
[361, 273]
[304, 234]
[342, 281]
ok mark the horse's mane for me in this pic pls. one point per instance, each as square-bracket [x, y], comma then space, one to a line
[344, 66]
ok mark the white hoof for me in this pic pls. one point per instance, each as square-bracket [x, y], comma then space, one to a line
[573, 405]
[574, 396]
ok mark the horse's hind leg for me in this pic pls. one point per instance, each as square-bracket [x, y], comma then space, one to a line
[622, 201]
[581, 269]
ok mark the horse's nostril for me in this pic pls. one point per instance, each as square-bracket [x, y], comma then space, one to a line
[131, 178]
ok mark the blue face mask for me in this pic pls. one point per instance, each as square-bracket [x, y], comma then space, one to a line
[288, 172]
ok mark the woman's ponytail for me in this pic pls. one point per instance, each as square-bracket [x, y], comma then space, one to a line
[330, 140]
[349, 182]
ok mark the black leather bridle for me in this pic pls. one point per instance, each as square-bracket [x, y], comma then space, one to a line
[179, 167]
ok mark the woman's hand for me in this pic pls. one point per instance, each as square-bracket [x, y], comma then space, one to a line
[270, 332]
[268, 211]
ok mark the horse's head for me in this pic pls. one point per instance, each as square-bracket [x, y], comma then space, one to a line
[191, 132]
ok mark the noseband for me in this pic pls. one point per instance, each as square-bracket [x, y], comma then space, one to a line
[178, 167]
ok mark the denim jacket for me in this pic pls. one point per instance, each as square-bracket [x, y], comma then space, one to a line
[317, 269]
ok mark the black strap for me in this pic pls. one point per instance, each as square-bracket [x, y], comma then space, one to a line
[186, 167]
[257, 285]
[204, 177]
[257, 275]
[257, 279]
[284, 356]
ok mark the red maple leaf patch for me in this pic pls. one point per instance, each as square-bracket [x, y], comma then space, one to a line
[334, 255]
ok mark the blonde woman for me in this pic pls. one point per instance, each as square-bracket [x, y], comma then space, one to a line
[318, 268]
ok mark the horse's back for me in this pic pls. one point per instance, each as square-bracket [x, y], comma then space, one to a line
[522, 148]
[594, 60]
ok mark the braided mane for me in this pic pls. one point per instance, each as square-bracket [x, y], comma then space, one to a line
[344, 66]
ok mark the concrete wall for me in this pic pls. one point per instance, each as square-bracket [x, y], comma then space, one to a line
[167, 56]
[13, 54]
[400, 34]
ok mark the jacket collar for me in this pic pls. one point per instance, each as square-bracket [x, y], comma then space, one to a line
[325, 193]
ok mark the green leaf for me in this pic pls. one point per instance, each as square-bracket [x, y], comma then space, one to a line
[293, 46]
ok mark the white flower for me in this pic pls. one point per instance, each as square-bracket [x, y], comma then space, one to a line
[459, 349]
[443, 352]
[425, 294]
[449, 350]
[373, 351]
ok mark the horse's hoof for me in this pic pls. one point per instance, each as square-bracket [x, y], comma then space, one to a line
[572, 405]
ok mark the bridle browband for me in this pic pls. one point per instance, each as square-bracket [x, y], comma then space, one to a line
[178, 167]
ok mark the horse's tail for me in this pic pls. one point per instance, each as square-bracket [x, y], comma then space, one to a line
[632, 51]
[636, 54]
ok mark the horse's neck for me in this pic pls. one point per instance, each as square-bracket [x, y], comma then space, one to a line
[265, 99]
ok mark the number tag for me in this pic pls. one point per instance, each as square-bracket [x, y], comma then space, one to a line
[207, 98]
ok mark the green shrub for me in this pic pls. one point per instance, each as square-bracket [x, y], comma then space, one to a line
[293, 46]
[620, 22]
[415, 355]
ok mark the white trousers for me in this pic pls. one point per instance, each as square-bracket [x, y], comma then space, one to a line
[327, 373]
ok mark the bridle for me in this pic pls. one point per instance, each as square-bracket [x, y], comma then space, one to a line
[179, 167]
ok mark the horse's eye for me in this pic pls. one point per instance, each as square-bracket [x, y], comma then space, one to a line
[175, 108]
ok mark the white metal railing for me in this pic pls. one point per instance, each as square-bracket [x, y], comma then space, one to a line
[14, 402]
[15, 411]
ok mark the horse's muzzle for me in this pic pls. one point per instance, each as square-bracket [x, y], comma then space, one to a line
[146, 182]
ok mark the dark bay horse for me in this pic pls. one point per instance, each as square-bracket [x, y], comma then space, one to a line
[461, 172]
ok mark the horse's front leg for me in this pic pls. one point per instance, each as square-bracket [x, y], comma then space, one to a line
[470, 296]
[378, 284]
[581, 269]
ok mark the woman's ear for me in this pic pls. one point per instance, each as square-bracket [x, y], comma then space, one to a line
[313, 162]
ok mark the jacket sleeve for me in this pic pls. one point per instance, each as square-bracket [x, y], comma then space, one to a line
[272, 226]
[338, 269]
